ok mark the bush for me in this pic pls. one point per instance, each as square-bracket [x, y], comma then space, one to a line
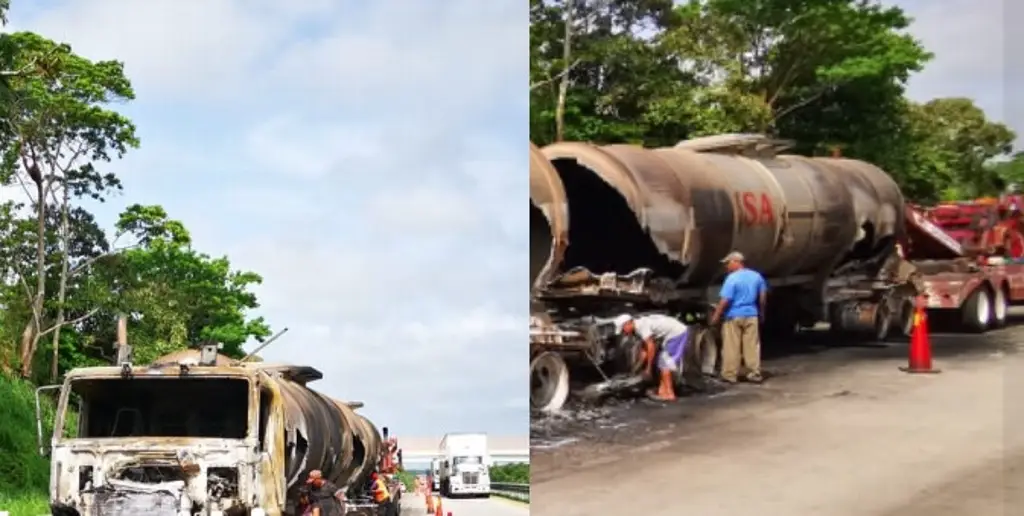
[408, 478]
[518, 473]
[24, 474]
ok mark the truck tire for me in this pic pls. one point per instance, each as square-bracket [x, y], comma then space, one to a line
[906, 317]
[1000, 307]
[549, 382]
[976, 312]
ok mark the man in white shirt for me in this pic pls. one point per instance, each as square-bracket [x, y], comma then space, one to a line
[664, 338]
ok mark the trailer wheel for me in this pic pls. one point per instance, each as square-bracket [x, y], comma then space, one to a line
[977, 311]
[549, 382]
[907, 309]
[883, 322]
[999, 308]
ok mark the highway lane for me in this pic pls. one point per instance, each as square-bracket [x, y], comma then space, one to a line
[493, 506]
[856, 438]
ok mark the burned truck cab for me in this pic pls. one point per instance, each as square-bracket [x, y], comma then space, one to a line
[172, 438]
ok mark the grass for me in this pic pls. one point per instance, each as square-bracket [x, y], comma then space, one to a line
[28, 504]
[24, 474]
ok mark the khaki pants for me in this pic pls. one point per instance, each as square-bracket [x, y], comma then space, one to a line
[741, 345]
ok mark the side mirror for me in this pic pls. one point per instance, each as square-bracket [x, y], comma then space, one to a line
[44, 450]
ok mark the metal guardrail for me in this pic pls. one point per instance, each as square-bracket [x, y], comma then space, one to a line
[519, 492]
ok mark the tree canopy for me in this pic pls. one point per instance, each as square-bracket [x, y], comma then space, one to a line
[65, 280]
[828, 74]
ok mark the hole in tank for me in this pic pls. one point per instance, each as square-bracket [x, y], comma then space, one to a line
[604, 234]
[864, 248]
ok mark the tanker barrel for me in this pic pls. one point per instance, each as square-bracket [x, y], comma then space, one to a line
[367, 449]
[878, 207]
[678, 211]
[549, 222]
[322, 438]
[606, 201]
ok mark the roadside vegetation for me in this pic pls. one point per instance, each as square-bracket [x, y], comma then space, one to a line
[517, 473]
[830, 75]
[65, 277]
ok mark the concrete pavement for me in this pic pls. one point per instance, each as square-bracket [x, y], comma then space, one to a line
[493, 506]
[860, 439]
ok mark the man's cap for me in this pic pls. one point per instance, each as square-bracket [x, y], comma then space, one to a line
[314, 475]
[734, 256]
[620, 322]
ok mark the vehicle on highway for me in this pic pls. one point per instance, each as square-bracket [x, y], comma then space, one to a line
[623, 229]
[197, 432]
[970, 255]
[435, 474]
[465, 463]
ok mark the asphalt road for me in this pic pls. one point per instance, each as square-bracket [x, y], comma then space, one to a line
[836, 431]
[494, 506]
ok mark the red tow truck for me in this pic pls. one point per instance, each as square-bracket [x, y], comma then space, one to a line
[970, 256]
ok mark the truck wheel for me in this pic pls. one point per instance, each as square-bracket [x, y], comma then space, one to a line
[906, 316]
[883, 322]
[999, 308]
[549, 382]
[977, 311]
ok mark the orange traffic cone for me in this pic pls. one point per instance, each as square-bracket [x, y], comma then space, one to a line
[920, 353]
[437, 507]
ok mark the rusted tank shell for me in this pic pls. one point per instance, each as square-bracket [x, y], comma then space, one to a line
[680, 210]
[329, 435]
[549, 217]
[877, 198]
[367, 440]
[323, 439]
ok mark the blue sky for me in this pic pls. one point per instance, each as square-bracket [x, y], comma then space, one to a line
[368, 158]
[969, 40]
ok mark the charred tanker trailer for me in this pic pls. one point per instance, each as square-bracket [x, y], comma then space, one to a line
[620, 228]
[199, 433]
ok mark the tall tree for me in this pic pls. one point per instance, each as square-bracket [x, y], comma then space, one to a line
[954, 143]
[57, 129]
[820, 71]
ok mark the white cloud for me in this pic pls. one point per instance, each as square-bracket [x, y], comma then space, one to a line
[968, 40]
[425, 209]
[312, 150]
[367, 158]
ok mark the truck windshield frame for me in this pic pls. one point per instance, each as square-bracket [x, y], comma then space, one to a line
[467, 460]
[158, 406]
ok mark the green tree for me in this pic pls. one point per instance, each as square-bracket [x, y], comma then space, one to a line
[56, 130]
[614, 72]
[779, 59]
[828, 74]
[956, 142]
[1010, 171]
[173, 295]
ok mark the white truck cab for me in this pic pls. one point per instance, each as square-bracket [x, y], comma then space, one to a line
[465, 464]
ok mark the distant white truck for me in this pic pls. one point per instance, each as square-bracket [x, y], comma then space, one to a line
[464, 465]
[435, 475]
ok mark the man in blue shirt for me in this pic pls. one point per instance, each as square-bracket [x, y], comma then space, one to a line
[741, 302]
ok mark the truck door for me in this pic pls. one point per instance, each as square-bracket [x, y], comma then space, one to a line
[271, 472]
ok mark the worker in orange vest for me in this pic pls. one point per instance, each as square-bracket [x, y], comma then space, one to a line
[382, 495]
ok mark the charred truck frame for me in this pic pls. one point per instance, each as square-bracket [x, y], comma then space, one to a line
[199, 433]
[625, 229]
